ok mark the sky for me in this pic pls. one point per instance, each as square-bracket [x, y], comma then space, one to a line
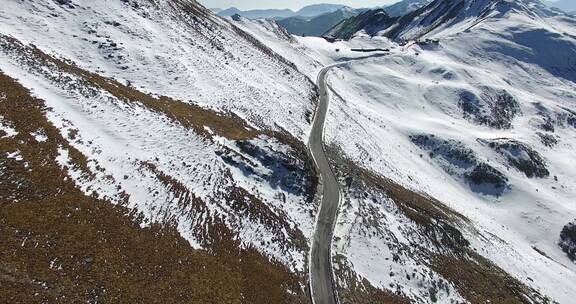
[291, 4]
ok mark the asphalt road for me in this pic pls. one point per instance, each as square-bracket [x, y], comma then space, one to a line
[321, 275]
[321, 286]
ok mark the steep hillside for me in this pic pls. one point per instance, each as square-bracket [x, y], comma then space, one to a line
[317, 25]
[453, 153]
[373, 21]
[149, 135]
[318, 9]
[257, 14]
[404, 7]
[370, 21]
[306, 12]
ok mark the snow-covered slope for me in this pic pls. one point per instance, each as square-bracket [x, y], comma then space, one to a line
[369, 21]
[454, 152]
[318, 25]
[479, 114]
[183, 118]
[169, 48]
[406, 6]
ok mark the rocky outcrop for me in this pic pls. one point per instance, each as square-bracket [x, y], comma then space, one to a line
[458, 160]
[521, 156]
[493, 108]
[568, 240]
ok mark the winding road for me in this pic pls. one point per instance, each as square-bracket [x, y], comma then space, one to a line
[321, 280]
[322, 288]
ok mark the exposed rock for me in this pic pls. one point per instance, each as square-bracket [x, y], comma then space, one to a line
[494, 108]
[568, 240]
[458, 160]
[485, 175]
[548, 140]
[568, 116]
[521, 156]
[453, 152]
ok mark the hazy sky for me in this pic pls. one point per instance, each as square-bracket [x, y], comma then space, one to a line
[292, 4]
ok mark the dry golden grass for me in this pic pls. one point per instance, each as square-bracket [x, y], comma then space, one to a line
[61, 246]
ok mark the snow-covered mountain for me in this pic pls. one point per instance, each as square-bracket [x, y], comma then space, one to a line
[374, 20]
[318, 9]
[405, 6]
[318, 25]
[151, 151]
[368, 21]
[474, 106]
[257, 14]
[116, 115]
[309, 11]
[566, 5]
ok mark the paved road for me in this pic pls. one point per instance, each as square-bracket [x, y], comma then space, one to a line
[322, 289]
[321, 276]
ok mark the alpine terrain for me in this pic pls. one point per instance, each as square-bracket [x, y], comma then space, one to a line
[152, 151]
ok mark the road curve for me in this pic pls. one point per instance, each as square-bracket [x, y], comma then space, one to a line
[322, 288]
[321, 281]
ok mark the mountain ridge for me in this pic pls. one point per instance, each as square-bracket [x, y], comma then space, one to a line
[305, 12]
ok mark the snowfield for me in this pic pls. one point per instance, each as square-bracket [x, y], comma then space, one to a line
[497, 97]
[145, 159]
[455, 150]
[160, 48]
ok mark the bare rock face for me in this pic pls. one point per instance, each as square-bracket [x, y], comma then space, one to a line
[568, 240]
[459, 160]
[493, 108]
[521, 156]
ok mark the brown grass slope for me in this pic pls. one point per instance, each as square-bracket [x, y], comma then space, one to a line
[61, 246]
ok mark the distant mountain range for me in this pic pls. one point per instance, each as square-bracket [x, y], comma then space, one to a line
[410, 19]
[404, 7]
[318, 25]
[307, 11]
[318, 9]
[321, 24]
[566, 5]
[257, 14]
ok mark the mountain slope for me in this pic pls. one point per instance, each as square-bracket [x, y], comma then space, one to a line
[370, 21]
[318, 9]
[566, 5]
[309, 11]
[54, 233]
[404, 7]
[256, 14]
[180, 144]
[453, 154]
[317, 25]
